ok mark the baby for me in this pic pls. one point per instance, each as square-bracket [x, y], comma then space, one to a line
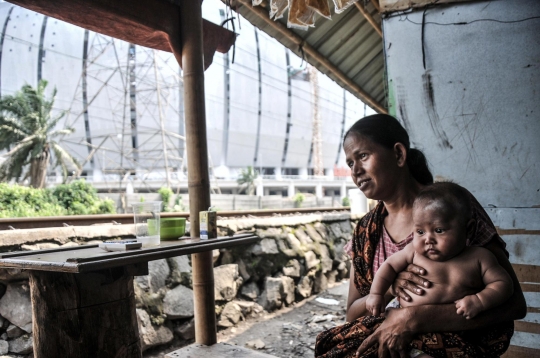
[468, 276]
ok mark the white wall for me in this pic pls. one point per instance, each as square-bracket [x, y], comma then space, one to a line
[475, 110]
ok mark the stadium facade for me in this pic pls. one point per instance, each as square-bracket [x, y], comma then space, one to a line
[125, 101]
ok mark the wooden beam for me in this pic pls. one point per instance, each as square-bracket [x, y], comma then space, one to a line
[368, 17]
[315, 55]
[192, 62]
[376, 5]
[387, 6]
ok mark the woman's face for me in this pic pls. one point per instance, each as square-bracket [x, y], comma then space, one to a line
[374, 169]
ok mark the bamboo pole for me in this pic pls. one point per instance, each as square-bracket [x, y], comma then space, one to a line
[315, 55]
[368, 17]
[376, 5]
[197, 161]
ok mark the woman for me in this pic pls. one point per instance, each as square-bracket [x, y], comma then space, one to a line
[385, 168]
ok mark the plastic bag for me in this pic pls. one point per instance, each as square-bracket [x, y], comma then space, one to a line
[342, 5]
[277, 8]
[320, 6]
[300, 15]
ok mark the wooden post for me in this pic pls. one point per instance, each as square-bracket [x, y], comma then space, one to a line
[85, 315]
[197, 162]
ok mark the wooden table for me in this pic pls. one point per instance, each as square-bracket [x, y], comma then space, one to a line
[83, 302]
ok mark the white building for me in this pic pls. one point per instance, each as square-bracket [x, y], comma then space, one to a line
[125, 103]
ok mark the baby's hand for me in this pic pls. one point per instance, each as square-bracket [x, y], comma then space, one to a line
[469, 306]
[375, 304]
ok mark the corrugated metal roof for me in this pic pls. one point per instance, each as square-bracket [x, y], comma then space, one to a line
[346, 48]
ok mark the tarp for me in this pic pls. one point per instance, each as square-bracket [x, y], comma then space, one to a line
[150, 23]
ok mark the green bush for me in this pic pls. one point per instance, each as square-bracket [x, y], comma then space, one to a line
[346, 201]
[21, 201]
[166, 194]
[80, 198]
[76, 198]
[178, 204]
[299, 199]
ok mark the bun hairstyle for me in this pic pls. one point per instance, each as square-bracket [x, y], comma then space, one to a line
[385, 130]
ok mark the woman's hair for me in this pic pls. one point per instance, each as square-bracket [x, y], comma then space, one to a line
[385, 130]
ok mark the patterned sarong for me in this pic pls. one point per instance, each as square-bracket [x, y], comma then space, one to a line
[343, 341]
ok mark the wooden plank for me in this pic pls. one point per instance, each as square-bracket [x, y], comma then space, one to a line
[530, 287]
[517, 232]
[400, 5]
[527, 273]
[219, 350]
[45, 251]
[521, 352]
[89, 254]
[528, 327]
[91, 259]
[88, 315]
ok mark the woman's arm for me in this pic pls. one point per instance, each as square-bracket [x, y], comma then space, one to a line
[356, 304]
[396, 332]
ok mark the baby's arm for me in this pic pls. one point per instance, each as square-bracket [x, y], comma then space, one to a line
[385, 277]
[499, 287]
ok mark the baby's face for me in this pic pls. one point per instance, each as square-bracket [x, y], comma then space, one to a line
[438, 234]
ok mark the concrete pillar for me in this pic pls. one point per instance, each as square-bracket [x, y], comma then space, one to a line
[260, 188]
[291, 190]
[343, 190]
[358, 201]
[319, 192]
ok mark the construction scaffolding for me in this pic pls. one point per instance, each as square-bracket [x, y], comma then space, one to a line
[135, 98]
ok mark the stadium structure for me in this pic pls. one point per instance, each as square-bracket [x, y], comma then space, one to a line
[264, 107]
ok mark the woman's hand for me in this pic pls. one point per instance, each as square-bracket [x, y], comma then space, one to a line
[411, 280]
[393, 336]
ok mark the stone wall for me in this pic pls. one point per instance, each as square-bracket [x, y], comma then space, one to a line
[297, 256]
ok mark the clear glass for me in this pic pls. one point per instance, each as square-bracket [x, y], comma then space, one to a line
[146, 216]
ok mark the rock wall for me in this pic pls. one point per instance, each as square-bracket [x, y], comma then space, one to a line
[297, 256]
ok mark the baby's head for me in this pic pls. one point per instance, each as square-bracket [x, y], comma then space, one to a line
[441, 215]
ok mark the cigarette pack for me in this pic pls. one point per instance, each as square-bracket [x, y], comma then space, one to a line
[208, 224]
[122, 245]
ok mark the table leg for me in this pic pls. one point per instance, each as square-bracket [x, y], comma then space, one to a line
[85, 315]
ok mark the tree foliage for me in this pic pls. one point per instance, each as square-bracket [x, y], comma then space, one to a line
[246, 180]
[28, 133]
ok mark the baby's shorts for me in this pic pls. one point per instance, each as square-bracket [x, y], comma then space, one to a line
[395, 304]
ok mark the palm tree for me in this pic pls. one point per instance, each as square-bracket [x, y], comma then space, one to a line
[27, 132]
[247, 180]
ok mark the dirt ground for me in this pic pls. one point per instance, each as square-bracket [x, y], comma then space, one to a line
[289, 332]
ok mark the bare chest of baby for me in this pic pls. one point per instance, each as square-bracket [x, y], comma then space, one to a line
[451, 280]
